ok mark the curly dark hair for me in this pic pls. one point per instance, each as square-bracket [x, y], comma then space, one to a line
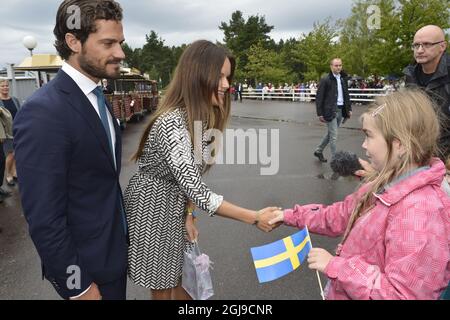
[89, 11]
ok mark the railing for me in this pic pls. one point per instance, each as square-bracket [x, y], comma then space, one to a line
[308, 95]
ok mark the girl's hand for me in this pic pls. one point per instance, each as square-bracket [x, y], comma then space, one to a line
[366, 169]
[192, 232]
[279, 217]
[318, 259]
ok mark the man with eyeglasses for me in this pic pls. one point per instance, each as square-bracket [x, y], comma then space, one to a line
[432, 73]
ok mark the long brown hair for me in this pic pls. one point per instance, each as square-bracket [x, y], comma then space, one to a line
[195, 81]
[409, 117]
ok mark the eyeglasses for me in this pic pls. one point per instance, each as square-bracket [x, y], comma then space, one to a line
[425, 45]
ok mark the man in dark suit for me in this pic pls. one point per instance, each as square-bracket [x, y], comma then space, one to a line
[68, 151]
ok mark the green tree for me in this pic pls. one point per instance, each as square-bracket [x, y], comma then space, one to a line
[288, 51]
[356, 40]
[132, 56]
[156, 58]
[241, 34]
[266, 66]
[316, 49]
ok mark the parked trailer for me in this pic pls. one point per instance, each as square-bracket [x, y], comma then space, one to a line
[133, 94]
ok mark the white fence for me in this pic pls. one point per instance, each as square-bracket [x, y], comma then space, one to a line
[308, 95]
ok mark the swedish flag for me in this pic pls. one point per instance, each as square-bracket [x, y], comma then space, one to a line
[277, 259]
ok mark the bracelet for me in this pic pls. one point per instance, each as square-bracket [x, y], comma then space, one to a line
[256, 218]
[191, 212]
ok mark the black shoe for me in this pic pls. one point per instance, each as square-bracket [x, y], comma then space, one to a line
[4, 193]
[2, 198]
[319, 155]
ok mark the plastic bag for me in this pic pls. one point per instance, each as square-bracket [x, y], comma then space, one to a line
[196, 277]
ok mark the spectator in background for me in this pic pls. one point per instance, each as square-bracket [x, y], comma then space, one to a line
[239, 89]
[5, 132]
[431, 72]
[107, 89]
[12, 105]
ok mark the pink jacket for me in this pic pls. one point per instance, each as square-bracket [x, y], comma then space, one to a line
[399, 250]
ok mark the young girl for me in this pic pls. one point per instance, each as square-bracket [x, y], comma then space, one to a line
[396, 227]
[169, 173]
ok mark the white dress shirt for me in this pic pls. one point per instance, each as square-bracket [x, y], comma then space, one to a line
[87, 86]
[340, 100]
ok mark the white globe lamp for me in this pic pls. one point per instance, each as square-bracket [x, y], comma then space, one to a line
[30, 43]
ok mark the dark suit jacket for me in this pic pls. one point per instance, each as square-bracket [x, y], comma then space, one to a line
[327, 95]
[70, 188]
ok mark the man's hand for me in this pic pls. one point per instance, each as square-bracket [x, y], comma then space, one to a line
[92, 294]
[265, 215]
[322, 119]
[367, 169]
[318, 259]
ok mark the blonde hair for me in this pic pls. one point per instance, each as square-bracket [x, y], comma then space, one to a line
[2, 80]
[409, 117]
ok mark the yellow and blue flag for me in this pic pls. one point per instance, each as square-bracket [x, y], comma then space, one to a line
[281, 257]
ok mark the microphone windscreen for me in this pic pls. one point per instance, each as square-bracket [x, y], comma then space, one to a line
[345, 163]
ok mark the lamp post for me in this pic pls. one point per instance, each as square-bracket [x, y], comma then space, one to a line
[30, 43]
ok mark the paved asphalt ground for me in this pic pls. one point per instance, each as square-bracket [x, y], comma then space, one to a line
[301, 178]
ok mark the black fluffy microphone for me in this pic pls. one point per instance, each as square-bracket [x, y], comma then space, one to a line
[345, 163]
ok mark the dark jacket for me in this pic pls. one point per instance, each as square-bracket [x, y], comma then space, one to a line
[15, 100]
[6, 119]
[439, 90]
[70, 187]
[327, 95]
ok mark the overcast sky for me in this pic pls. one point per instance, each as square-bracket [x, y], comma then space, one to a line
[175, 21]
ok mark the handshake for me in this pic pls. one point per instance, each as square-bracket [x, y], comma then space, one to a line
[269, 218]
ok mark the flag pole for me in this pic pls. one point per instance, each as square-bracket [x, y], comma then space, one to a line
[317, 271]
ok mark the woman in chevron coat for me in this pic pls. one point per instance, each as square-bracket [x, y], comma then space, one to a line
[170, 167]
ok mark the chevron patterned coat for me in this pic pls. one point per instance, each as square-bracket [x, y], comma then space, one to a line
[155, 199]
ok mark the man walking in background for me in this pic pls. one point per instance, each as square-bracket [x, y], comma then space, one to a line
[333, 105]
